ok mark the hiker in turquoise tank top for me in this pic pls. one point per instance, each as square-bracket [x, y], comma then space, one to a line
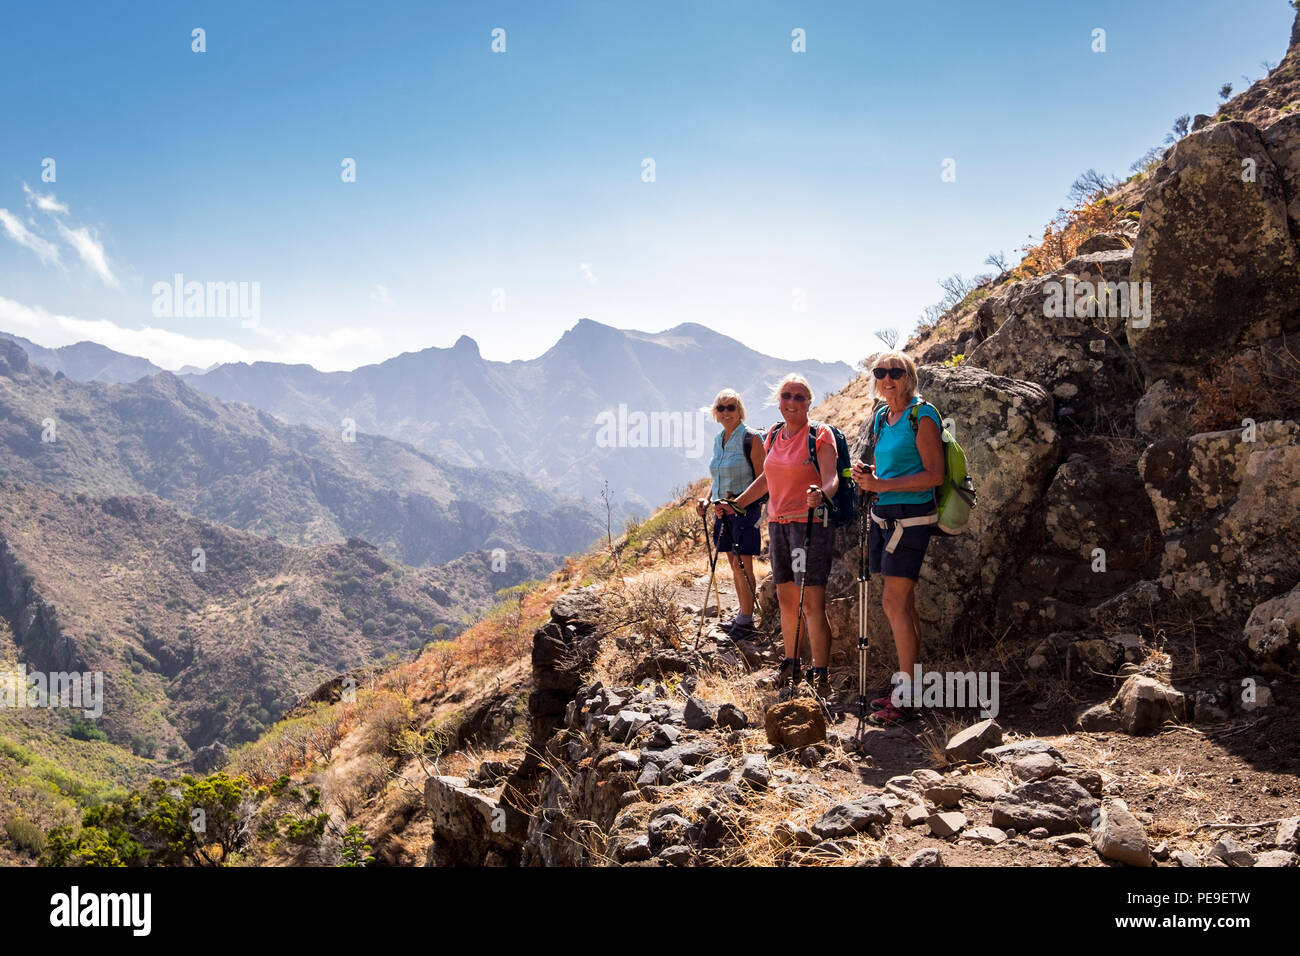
[906, 434]
[737, 461]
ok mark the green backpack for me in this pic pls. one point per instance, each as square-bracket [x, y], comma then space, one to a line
[956, 496]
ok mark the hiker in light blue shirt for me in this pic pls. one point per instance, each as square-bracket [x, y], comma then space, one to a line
[737, 461]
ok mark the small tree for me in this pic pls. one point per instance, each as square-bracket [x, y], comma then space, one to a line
[443, 655]
[1181, 126]
[1089, 186]
[356, 851]
[1225, 91]
[889, 337]
[997, 260]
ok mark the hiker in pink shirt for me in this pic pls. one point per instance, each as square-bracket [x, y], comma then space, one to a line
[797, 483]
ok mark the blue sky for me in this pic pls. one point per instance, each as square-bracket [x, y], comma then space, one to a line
[522, 171]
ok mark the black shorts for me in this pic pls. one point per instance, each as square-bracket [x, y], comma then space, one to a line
[739, 534]
[909, 553]
[784, 537]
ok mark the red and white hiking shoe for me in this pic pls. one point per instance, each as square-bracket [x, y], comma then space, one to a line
[889, 715]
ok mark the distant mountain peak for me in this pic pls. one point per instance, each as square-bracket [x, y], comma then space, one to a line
[467, 346]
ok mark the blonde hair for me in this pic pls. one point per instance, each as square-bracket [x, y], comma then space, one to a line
[886, 359]
[727, 394]
[794, 378]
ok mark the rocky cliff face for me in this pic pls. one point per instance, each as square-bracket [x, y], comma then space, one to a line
[1102, 506]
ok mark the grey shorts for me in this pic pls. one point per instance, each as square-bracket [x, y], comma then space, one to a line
[786, 541]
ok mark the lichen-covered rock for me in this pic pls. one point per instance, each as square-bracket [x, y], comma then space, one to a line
[1216, 246]
[1223, 502]
[1098, 524]
[1282, 140]
[1272, 632]
[1041, 337]
[1162, 412]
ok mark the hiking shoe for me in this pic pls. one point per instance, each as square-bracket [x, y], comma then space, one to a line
[735, 629]
[786, 670]
[889, 715]
[820, 681]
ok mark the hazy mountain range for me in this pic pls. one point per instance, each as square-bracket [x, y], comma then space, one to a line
[540, 417]
[247, 469]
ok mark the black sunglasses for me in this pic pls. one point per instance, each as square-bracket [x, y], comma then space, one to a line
[894, 373]
[793, 397]
[726, 408]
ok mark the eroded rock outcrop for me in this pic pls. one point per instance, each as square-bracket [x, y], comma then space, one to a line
[1216, 246]
[1228, 507]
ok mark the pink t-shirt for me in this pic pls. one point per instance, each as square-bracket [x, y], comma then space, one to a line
[789, 473]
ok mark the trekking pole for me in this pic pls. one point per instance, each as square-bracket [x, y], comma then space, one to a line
[803, 579]
[713, 568]
[864, 600]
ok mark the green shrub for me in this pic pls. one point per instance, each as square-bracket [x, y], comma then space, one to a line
[28, 837]
[82, 729]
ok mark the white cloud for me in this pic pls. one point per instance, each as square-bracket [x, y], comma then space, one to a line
[19, 233]
[380, 294]
[44, 202]
[585, 269]
[86, 242]
[342, 348]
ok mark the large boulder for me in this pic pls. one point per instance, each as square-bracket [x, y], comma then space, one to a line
[1053, 331]
[471, 828]
[1005, 427]
[1216, 246]
[1223, 500]
[1282, 140]
[1100, 531]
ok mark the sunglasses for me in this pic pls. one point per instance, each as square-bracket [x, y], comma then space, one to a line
[894, 373]
[793, 397]
[725, 408]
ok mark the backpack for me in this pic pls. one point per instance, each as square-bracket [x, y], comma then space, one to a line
[954, 498]
[749, 446]
[843, 507]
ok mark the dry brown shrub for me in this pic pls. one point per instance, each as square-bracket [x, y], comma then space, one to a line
[1065, 233]
[1248, 385]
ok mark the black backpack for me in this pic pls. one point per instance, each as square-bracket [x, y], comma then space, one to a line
[843, 507]
[749, 447]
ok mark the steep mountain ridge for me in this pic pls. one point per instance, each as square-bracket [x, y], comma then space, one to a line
[86, 361]
[537, 416]
[241, 466]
